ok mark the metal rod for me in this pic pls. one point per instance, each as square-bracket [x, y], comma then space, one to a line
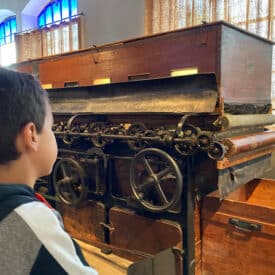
[122, 137]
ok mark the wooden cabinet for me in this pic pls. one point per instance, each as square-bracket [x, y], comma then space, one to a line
[241, 61]
[239, 232]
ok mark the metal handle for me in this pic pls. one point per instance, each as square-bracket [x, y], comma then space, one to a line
[244, 226]
[107, 226]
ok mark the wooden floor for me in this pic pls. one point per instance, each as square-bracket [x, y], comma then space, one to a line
[104, 264]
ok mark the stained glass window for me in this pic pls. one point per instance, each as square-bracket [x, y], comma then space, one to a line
[57, 11]
[2, 35]
[49, 15]
[58, 37]
[73, 7]
[41, 20]
[7, 44]
[65, 9]
[13, 27]
[7, 30]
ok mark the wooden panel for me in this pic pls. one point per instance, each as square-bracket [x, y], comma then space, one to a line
[140, 233]
[198, 258]
[156, 56]
[107, 264]
[231, 250]
[241, 61]
[246, 66]
[255, 200]
[257, 192]
[121, 178]
[104, 264]
[84, 221]
[143, 234]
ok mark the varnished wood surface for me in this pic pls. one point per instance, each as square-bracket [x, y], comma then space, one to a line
[258, 192]
[84, 222]
[240, 144]
[229, 250]
[156, 57]
[245, 68]
[105, 264]
[136, 232]
[132, 237]
[241, 62]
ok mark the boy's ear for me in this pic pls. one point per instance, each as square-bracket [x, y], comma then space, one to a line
[28, 138]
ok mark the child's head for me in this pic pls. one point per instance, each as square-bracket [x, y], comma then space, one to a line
[25, 122]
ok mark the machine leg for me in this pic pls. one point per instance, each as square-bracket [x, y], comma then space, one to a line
[188, 222]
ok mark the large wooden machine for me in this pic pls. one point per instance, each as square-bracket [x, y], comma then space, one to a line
[160, 141]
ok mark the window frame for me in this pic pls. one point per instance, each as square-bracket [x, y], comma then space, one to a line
[8, 38]
[42, 14]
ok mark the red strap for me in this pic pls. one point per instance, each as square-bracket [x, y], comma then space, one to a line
[42, 199]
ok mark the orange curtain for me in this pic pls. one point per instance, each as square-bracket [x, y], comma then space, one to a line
[257, 16]
[55, 39]
[166, 15]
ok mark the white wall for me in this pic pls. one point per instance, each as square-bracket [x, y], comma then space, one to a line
[15, 6]
[105, 21]
[30, 12]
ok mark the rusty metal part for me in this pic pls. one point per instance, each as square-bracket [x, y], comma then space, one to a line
[96, 162]
[186, 148]
[196, 94]
[69, 181]
[205, 140]
[70, 139]
[97, 128]
[241, 144]
[150, 171]
[136, 129]
[216, 151]
[186, 139]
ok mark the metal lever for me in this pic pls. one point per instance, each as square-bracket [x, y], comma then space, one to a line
[244, 226]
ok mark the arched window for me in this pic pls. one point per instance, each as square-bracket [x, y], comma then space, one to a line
[59, 23]
[60, 10]
[7, 44]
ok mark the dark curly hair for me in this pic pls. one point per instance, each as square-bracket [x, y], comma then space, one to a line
[22, 100]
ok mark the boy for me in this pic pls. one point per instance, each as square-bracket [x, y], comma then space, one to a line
[32, 240]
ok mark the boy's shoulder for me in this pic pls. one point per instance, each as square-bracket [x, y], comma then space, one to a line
[13, 195]
[36, 231]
